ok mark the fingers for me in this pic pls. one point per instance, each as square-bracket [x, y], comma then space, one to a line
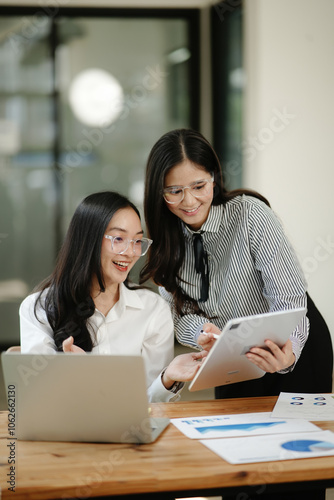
[183, 368]
[272, 359]
[190, 358]
[211, 328]
[200, 355]
[269, 366]
[207, 338]
[67, 344]
[206, 341]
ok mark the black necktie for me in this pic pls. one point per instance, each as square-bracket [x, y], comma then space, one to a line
[201, 265]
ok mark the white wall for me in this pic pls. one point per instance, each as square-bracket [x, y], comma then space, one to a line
[290, 72]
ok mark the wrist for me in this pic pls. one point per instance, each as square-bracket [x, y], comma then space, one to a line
[167, 382]
[293, 361]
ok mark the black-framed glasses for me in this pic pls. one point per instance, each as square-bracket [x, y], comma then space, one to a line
[198, 189]
[120, 245]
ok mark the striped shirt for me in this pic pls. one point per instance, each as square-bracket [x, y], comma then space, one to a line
[252, 270]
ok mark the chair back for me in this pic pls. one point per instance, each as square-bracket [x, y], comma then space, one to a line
[14, 348]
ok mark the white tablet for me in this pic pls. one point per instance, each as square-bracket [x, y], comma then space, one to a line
[226, 363]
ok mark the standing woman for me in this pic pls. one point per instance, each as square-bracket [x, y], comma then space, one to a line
[88, 304]
[222, 254]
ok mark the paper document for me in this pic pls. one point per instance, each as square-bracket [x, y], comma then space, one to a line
[244, 424]
[307, 406]
[275, 447]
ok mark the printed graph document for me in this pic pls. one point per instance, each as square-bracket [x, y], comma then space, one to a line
[274, 447]
[245, 424]
[308, 406]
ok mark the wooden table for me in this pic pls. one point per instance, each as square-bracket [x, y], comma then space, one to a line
[174, 466]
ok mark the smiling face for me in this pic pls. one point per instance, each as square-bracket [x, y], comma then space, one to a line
[116, 267]
[191, 210]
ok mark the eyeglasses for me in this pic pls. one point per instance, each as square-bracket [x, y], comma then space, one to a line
[197, 189]
[120, 245]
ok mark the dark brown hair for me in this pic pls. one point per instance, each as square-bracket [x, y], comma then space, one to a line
[65, 295]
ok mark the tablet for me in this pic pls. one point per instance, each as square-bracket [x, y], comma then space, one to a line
[226, 362]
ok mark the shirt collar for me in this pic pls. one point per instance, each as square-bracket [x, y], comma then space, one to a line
[129, 298]
[211, 224]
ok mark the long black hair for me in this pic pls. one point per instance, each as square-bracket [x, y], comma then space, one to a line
[65, 295]
[166, 256]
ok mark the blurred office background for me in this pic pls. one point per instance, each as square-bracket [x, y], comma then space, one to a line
[84, 94]
[86, 88]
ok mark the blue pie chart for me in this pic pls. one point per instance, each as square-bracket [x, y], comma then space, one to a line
[307, 445]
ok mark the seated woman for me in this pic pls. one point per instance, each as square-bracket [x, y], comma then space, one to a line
[87, 304]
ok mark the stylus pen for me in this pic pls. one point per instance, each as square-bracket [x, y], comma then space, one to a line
[215, 336]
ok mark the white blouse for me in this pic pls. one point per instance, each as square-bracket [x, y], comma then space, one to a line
[140, 323]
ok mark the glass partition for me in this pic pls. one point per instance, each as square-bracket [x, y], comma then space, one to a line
[27, 199]
[98, 62]
[83, 97]
[228, 83]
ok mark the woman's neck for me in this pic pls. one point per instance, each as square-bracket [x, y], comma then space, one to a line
[104, 301]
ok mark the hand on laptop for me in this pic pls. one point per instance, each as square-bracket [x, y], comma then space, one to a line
[273, 358]
[183, 368]
[207, 339]
[68, 346]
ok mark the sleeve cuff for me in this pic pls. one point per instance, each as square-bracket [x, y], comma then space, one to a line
[157, 392]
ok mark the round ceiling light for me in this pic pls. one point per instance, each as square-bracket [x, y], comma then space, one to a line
[96, 98]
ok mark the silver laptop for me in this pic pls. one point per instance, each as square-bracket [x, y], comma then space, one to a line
[226, 362]
[74, 397]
